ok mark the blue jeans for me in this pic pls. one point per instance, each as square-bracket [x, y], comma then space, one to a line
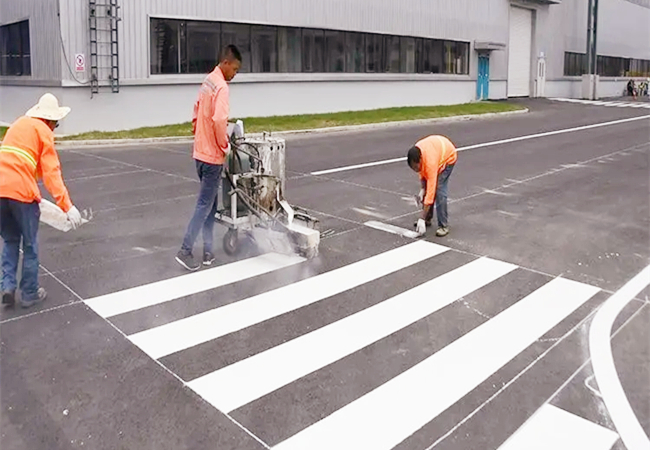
[20, 220]
[441, 197]
[206, 207]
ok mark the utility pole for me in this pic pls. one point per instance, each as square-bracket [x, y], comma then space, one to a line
[592, 54]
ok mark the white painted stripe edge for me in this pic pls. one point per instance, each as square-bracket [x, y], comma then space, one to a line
[550, 424]
[151, 343]
[481, 271]
[485, 144]
[365, 413]
[120, 302]
[604, 368]
[389, 228]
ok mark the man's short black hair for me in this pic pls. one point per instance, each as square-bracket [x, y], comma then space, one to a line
[230, 53]
[414, 156]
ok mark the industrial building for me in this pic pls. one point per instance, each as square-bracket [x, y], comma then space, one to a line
[124, 64]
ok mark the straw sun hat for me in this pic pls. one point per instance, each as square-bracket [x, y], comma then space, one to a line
[48, 108]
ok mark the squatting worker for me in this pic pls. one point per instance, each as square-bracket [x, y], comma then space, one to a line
[433, 158]
[27, 153]
[211, 144]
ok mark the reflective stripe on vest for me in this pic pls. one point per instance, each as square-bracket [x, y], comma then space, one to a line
[20, 152]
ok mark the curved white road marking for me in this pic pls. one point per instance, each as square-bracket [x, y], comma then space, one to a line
[486, 144]
[602, 361]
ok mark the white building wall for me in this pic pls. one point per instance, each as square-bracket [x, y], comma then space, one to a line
[465, 20]
[623, 29]
[151, 105]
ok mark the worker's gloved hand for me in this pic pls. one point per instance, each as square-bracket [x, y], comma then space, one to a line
[421, 227]
[74, 216]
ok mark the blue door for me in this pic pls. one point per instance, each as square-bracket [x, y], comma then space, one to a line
[483, 80]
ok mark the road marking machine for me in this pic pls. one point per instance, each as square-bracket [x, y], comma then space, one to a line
[253, 199]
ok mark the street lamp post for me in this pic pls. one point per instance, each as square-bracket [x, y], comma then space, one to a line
[592, 58]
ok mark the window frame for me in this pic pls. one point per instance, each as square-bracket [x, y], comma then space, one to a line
[606, 66]
[24, 57]
[354, 47]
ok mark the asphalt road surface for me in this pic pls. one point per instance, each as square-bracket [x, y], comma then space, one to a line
[477, 340]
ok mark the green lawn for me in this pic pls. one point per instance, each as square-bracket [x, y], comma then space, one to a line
[301, 122]
[3, 131]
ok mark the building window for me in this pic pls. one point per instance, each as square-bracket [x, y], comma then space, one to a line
[238, 34]
[165, 46]
[334, 51]
[313, 50]
[575, 64]
[355, 56]
[456, 57]
[429, 56]
[203, 46]
[374, 52]
[179, 46]
[15, 54]
[289, 50]
[264, 51]
[407, 52]
[392, 54]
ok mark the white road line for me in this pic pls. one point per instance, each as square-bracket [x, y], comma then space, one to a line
[386, 416]
[602, 361]
[171, 289]
[185, 333]
[238, 384]
[553, 428]
[487, 144]
[392, 229]
[358, 166]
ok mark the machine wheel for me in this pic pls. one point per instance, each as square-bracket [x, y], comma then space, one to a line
[230, 242]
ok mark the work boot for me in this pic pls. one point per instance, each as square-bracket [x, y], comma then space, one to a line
[9, 298]
[208, 258]
[442, 231]
[41, 295]
[187, 260]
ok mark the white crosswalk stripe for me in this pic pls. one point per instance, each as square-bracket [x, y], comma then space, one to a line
[421, 393]
[243, 382]
[194, 330]
[552, 427]
[612, 104]
[385, 415]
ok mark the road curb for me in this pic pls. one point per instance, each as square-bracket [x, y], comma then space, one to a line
[188, 139]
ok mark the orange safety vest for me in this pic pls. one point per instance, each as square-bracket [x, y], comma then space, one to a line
[210, 119]
[437, 153]
[27, 153]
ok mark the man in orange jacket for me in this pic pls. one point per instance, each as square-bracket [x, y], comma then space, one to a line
[26, 154]
[433, 158]
[211, 144]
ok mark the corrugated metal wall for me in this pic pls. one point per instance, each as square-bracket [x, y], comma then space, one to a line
[44, 35]
[623, 26]
[622, 31]
[451, 19]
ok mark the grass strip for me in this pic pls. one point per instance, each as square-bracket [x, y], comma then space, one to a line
[310, 121]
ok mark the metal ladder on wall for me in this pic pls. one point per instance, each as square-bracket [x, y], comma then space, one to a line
[103, 18]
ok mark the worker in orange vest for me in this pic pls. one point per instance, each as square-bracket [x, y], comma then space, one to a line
[211, 145]
[27, 153]
[433, 158]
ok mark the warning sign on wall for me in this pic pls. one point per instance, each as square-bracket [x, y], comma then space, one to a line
[79, 62]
